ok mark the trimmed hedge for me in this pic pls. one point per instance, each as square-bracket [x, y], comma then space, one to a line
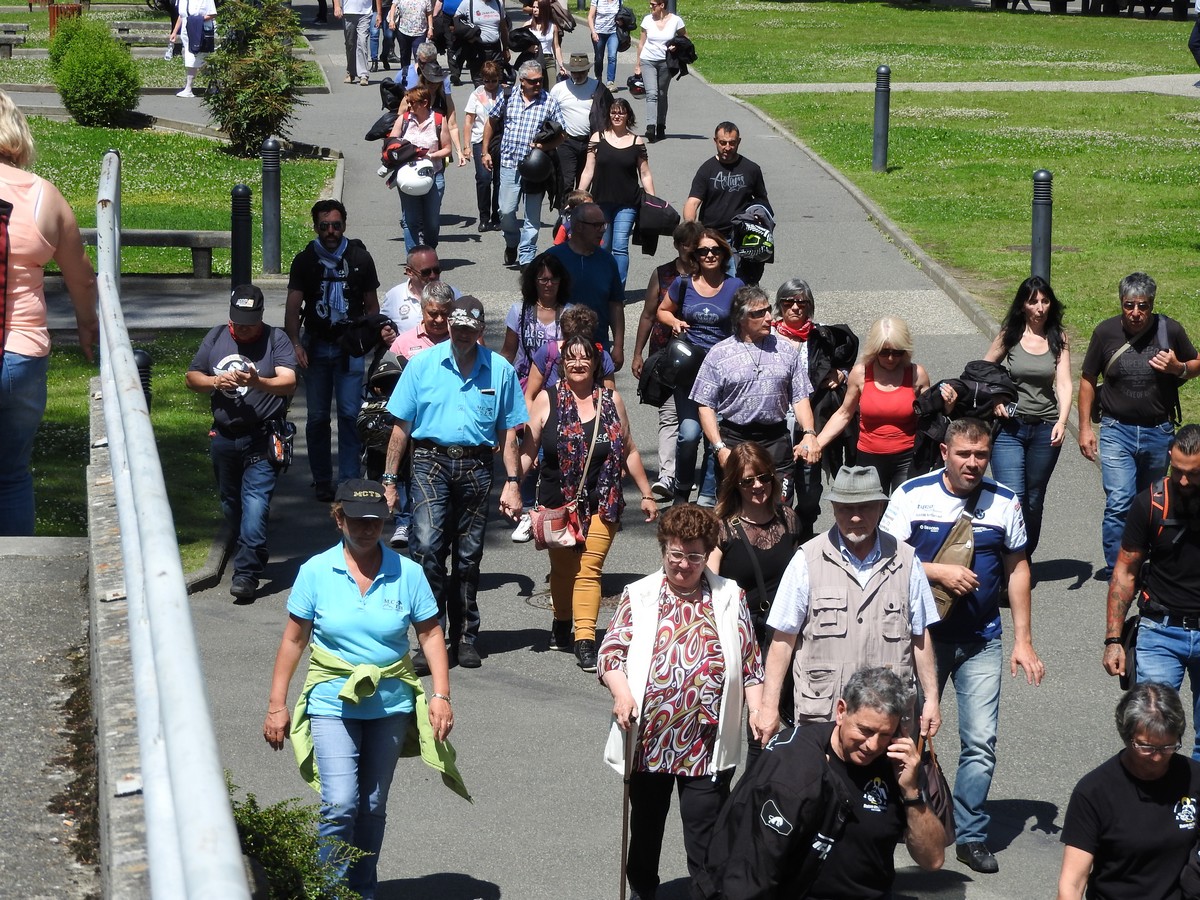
[95, 75]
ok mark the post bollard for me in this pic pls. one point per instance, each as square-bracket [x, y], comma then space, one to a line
[883, 102]
[1043, 210]
[239, 228]
[270, 206]
[144, 361]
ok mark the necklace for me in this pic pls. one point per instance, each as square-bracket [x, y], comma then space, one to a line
[757, 365]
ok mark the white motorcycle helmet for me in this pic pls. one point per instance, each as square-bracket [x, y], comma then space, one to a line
[415, 178]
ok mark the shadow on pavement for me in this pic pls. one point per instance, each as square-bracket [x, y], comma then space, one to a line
[442, 886]
[1009, 819]
[946, 884]
[1074, 570]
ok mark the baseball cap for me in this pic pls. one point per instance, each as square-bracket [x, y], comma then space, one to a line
[362, 499]
[467, 311]
[246, 305]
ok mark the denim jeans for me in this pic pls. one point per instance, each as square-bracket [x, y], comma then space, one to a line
[510, 198]
[487, 187]
[657, 78]
[607, 45]
[356, 759]
[245, 481]
[449, 513]
[376, 51]
[332, 374]
[1131, 457]
[1166, 654]
[22, 405]
[357, 30]
[616, 235]
[421, 216]
[688, 446]
[1024, 460]
[974, 667]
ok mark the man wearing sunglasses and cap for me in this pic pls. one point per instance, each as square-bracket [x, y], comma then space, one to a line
[457, 403]
[248, 369]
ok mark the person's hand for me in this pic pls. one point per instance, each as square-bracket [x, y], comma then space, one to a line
[949, 396]
[387, 334]
[486, 159]
[1026, 657]
[1058, 433]
[595, 38]
[637, 70]
[510, 501]
[89, 337]
[723, 455]
[931, 717]
[276, 726]
[1114, 659]
[441, 717]
[680, 327]
[906, 763]
[618, 357]
[389, 495]
[650, 508]
[1000, 410]
[959, 580]
[1168, 363]
[765, 724]
[301, 355]
[635, 365]
[625, 710]
[1087, 442]
[463, 157]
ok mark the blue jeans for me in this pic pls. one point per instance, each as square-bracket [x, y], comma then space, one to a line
[487, 187]
[510, 199]
[607, 45]
[22, 405]
[356, 759]
[245, 481]
[1131, 457]
[332, 374]
[421, 216]
[1024, 460]
[616, 235]
[688, 445]
[449, 513]
[1165, 654]
[376, 30]
[975, 669]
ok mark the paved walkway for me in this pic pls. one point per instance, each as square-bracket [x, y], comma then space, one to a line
[546, 822]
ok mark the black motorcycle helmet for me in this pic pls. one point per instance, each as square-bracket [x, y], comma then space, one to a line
[536, 166]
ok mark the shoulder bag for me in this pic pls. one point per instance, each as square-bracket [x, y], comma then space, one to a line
[558, 527]
[957, 550]
[932, 781]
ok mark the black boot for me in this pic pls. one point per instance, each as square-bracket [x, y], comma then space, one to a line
[662, 130]
[651, 134]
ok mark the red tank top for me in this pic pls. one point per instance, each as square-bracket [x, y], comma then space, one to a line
[887, 423]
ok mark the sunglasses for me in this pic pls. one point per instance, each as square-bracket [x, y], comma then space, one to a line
[795, 301]
[532, 82]
[761, 478]
[330, 226]
[1131, 305]
[547, 279]
[891, 353]
[758, 313]
[427, 273]
[706, 251]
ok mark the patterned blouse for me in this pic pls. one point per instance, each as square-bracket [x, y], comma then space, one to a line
[682, 704]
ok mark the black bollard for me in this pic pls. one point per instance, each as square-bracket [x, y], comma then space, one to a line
[144, 361]
[883, 103]
[270, 206]
[1043, 211]
[239, 228]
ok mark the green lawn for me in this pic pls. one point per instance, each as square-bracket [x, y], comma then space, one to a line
[780, 42]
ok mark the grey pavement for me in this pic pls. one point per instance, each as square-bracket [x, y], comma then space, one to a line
[530, 727]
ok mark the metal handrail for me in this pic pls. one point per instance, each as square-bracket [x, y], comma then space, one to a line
[191, 841]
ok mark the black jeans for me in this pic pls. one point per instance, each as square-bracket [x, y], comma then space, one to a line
[700, 799]
[572, 156]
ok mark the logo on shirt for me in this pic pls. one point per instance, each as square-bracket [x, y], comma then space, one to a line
[875, 795]
[1185, 813]
[235, 362]
[774, 819]
[728, 181]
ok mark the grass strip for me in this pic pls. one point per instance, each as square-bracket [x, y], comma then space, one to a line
[960, 183]
[748, 41]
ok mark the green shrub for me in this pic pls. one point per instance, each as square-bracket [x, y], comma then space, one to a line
[65, 33]
[253, 78]
[283, 839]
[96, 76]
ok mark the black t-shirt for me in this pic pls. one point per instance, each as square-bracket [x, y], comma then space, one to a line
[1132, 392]
[308, 274]
[726, 190]
[1174, 577]
[1139, 832]
[862, 864]
[774, 545]
[243, 410]
[550, 483]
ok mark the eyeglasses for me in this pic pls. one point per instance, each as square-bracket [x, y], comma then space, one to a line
[1131, 305]
[758, 313]
[678, 557]
[330, 226]
[617, 113]
[1153, 749]
[760, 478]
[795, 301]
[706, 251]
[427, 273]
[601, 224]
[544, 279]
[891, 353]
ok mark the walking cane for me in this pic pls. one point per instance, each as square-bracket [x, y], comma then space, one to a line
[629, 736]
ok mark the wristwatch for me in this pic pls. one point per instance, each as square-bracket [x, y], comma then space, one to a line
[1109, 641]
[719, 446]
[920, 800]
[512, 479]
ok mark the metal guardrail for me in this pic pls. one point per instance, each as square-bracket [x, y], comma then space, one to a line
[192, 843]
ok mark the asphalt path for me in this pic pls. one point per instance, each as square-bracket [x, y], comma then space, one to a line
[530, 726]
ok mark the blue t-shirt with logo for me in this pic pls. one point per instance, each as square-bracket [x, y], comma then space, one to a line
[707, 317]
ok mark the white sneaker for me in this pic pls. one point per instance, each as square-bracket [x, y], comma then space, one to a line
[663, 489]
[363, 80]
[185, 93]
[400, 537]
[523, 533]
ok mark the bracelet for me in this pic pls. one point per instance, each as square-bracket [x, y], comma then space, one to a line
[271, 712]
[387, 478]
[1110, 641]
[645, 497]
[445, 697]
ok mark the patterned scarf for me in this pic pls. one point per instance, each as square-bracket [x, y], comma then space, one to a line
[573, 447]
[332, 305]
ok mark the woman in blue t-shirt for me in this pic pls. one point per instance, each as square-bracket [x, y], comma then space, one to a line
[697, 309]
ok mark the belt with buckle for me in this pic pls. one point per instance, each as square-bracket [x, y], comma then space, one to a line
[1174, 620]
[454, 451]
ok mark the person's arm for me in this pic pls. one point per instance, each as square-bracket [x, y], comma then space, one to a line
[668, 314]
[624, 706]
[616, 319]
[924, 835]
[444, 149]
[809, 451]
[1121, 588]
[378, 14]
[920, 379]
[644, 173]
[486, 158]
[995, 352]
[712, 431]
[531, 438]
[779, 661]
[591, 20]
[450, 119]
[428, 20]
[559, 66]
[926, 666]
[433, 645]
[465, 140]
[397, 444]
[76, 268]
[1016, 569]
[633, 462]
[510, 495]
[645, 324]
[370, 302]
[534, 382]
[637, 59]
[691, 209]
[839, 420]
[504, 30]
[291, 324]
[337, 9]
[1064, 389]
[509, 348]
[1087, 399]
[589, 167]
[278, 722]
[1073, 877]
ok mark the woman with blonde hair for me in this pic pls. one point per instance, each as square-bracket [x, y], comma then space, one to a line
[881, 390]
[36, 226]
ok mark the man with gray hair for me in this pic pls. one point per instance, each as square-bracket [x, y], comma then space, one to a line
[1142, 358]
[523, 115]
[852, 596]
[822, 810]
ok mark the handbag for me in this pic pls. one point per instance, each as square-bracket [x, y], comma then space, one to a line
[933, 782]
[558, 527]
[651, 390]
[281, 436]
[957, 550]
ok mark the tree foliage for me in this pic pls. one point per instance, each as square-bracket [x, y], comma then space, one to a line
[95, 76]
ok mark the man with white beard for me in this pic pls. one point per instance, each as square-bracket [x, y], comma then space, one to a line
[852, 597]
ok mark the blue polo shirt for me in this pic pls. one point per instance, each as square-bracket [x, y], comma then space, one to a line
[361, 628]
[450, 407]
